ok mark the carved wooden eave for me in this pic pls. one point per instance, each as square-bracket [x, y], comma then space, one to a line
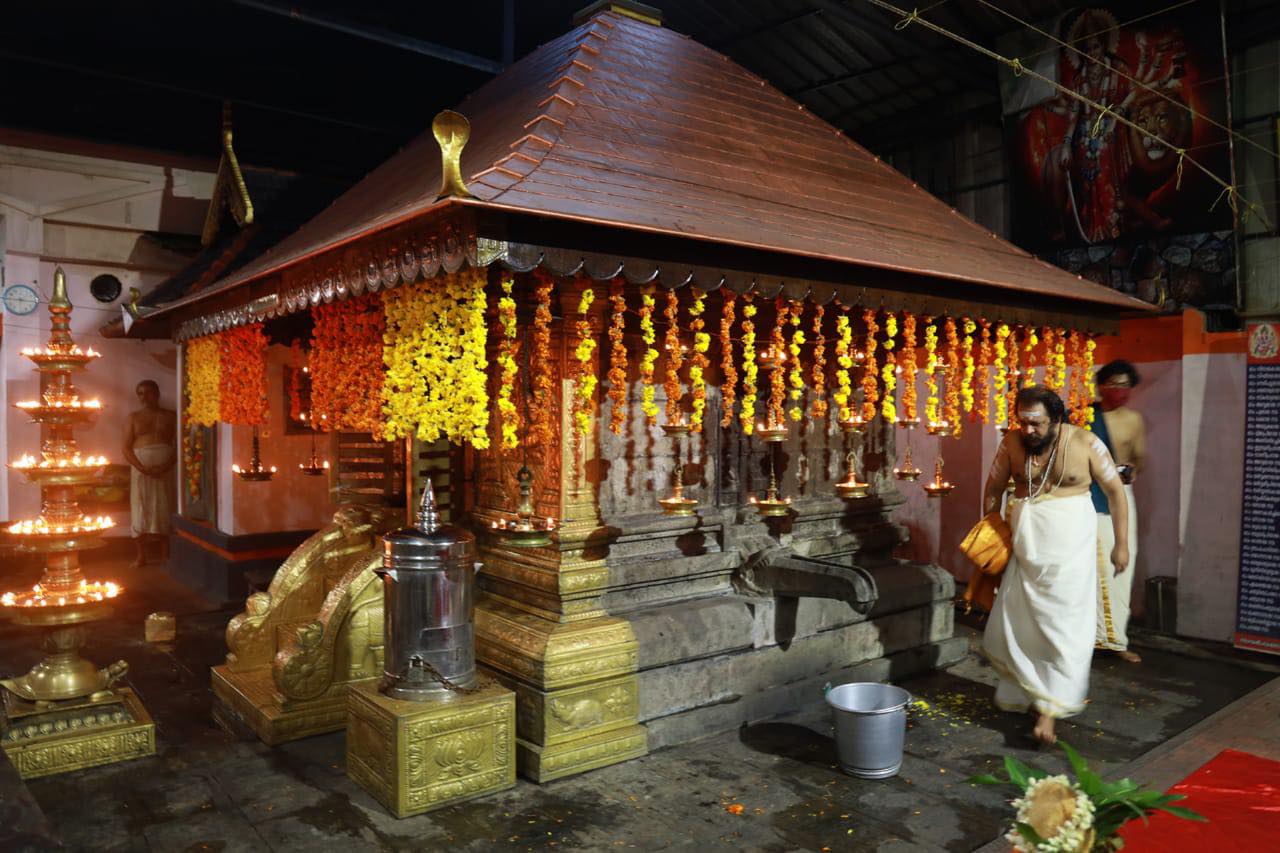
[229, 188]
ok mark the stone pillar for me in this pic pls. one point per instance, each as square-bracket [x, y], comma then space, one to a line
[541, 625]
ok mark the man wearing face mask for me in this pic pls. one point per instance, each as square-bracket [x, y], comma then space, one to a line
[1124, 432]
[1039, 637]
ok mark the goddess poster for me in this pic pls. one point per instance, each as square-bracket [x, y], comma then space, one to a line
[1081, 177]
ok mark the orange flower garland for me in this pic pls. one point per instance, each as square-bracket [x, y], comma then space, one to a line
[508, 347]
[750, 370]
[675, 359]
[243, 383]
[617, 358]
[777, 376]
[870, 385]
[984, 373]
[650, 357]
[346, 365]
[1076, 401]
[796, 376]
[908, 362]
[698, 362]
[953, 378]
[728, 373]
[541, 429]
[819, 374]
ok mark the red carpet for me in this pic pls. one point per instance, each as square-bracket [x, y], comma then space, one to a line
[1240, 795]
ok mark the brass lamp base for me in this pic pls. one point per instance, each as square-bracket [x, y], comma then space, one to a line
[678, 505]
[46, 738]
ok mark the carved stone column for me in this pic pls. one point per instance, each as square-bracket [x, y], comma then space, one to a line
[540, 624]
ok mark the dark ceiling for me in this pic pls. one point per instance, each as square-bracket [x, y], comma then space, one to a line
[332, 88]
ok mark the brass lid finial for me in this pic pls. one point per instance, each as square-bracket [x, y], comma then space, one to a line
[428, 517]
[452, 130]
[60, 299]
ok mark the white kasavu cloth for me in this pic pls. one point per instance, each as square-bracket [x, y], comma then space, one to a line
[151, 499]
[1115, 591]
[1039, 637]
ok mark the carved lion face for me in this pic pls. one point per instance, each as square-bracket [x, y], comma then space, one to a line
[1167, 121]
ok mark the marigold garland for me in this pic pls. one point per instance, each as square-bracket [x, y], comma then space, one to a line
[243, 380]
[889, 373]
[542, 429]
[1090, 391]
[508, 347]
[203, 361]
[870, 383]
[346, 366]
[1059, 360]
[1077, 402]
[777, 375]
[192, 460]
[675, 358]
[844, 362]
[650, 358]
[984, 373]
[1001, 377]
[932, 403]
[296, 391]
[953, 378]
[796, 376]
[437, 368]
[584, 378]
[750, 370]
[698, 362]
[1030, 341]
[1014, 375]
[617, 358]
[728, 372]
[909, 368]
[967, 394]
[819, 373]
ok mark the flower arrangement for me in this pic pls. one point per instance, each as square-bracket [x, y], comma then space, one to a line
[584, 378]
[908, 362]
[870, 385]
[346, 366]
[436, 360]
[819, 368]
[675, 358]
[954, 379]
[1050, 369]
[192, 460]
[844, 362]
[698, 361]
[932, 403]
[508, 347]
[1077, 402]
[777, 375]
[1056, 814]
[617, 358]
[1090, 391]
[242, 383]
[542, 429]
[1059, 360]
[1001, 377]
[889, 373]
[296, 391]
[650, 357]
[728, 372]
[750, 370]
[1013, 373]
[1030, 341]
[795, 378]
[984, 373]
[204, 370]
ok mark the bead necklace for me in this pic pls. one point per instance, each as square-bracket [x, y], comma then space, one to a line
[1034, 489]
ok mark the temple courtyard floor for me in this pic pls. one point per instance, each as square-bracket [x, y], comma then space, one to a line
[771, 786]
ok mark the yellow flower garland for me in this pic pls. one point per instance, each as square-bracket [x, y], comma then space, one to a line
[650, 357]
[204, 375]
[698, 361]
[844, 362]
[1014, 374]
[966, 382]
[889, 373]
[1059, 360]
[1090, 390]
[1001, 377]
[796, 377]
[436, 361]
[750, 370]
[508, 414]
[585, 380]
[1029, 350]
[932, 410]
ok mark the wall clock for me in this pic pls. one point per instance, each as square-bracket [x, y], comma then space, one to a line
[20, 299]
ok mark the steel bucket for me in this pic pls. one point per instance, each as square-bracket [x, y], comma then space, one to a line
[871, 725]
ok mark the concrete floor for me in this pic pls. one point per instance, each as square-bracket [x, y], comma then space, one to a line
[772, 786]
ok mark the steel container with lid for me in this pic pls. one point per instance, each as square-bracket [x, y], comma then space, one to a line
[428, 575]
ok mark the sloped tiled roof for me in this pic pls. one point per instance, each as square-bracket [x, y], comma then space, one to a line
[630, 125]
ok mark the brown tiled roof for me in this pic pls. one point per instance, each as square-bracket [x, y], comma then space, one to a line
[623, 123]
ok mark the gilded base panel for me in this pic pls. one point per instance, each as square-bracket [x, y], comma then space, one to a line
[417, 756]
[75, 735]
[251, 698]
[544, 763]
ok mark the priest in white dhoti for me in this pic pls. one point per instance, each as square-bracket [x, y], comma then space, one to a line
[1039, 637]
[149, 446]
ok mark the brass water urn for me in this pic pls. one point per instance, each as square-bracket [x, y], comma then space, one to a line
[428, 573]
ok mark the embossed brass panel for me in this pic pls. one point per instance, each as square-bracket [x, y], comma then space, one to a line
[76, 735]
[418, 756]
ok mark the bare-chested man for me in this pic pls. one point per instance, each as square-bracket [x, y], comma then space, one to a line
[1124, 432]
[149, 445]
[1039, 637]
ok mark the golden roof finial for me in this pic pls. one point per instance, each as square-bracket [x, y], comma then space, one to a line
[452, 130]
[60, 299]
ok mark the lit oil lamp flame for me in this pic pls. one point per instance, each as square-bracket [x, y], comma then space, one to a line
[41, 527]
[76, 461]
[88, 592]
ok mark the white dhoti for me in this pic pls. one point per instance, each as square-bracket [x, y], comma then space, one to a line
[1115, 591]
[1039, 637]
[151, 499]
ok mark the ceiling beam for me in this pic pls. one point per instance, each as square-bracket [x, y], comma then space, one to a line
[375, 34]
[764, 29]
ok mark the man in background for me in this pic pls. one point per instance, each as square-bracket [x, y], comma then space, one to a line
[1124, 432]
[150, 447]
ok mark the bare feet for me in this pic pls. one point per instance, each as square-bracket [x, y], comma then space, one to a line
[1043, 731]
[1128, 656]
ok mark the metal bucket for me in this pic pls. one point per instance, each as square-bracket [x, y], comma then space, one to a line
[871, 725]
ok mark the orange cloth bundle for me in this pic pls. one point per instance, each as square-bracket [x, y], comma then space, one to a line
[988, 546]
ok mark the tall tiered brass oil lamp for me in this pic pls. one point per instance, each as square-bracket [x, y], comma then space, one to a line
[65, 713]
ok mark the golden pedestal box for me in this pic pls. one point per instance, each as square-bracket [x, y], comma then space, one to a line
[77, 734]
[418, 756]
